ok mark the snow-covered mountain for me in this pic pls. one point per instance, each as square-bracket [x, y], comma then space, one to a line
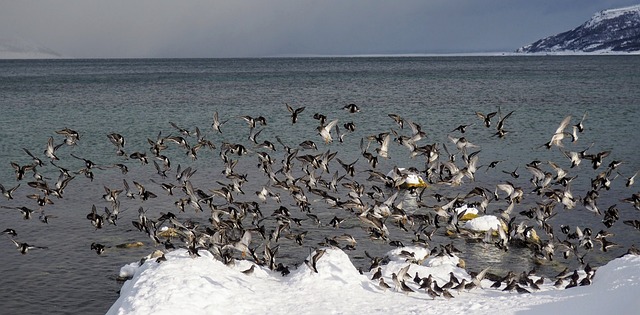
[17, 48]
[614, 30]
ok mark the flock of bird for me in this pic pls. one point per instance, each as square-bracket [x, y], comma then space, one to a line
[303, 196]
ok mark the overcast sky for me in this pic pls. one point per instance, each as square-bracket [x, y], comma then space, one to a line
[252, 28]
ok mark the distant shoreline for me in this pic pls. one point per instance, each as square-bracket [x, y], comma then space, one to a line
[37, 56]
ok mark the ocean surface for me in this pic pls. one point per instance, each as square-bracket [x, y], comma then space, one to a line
[139, 98]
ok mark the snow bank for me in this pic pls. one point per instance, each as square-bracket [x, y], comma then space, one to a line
[203, 285]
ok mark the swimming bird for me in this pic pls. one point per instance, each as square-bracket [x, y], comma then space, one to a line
[99, 248]
[351, 108]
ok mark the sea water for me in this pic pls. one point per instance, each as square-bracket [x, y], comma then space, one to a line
[139, 98]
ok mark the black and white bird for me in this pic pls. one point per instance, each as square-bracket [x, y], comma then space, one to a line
[24, 247]
[294, 113]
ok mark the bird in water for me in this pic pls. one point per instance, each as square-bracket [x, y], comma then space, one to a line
[351, 108]
[99, 248]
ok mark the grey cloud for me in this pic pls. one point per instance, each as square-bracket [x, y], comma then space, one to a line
[246, 28]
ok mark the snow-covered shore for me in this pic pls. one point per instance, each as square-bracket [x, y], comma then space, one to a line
[204, 285]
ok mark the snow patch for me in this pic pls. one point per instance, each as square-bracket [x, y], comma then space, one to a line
[204, 285]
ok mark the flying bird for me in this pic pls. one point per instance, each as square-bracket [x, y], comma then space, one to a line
[351, 108]
[24, 247]
[294, 113]
[325, 131]
[560, 134]
[217, 123]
